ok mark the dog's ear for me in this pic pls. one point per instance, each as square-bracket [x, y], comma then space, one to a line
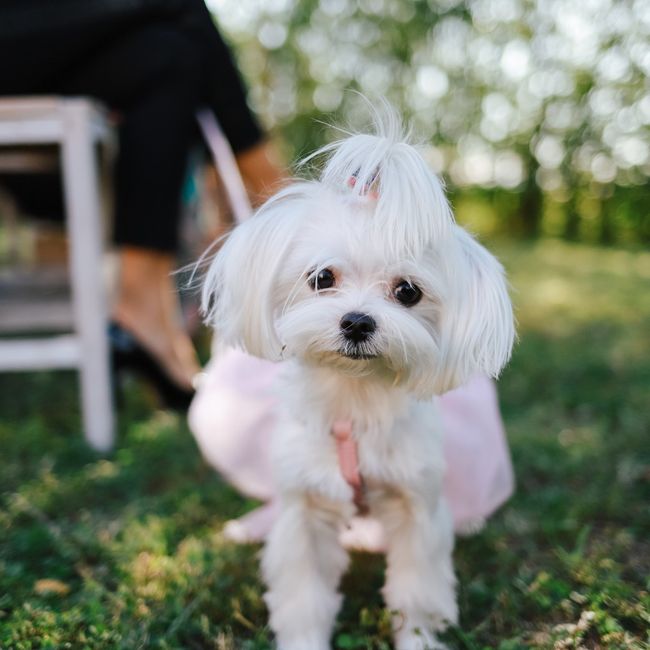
[240, 292]
[476, 328]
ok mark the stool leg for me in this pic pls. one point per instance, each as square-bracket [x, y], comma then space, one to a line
[84, 225]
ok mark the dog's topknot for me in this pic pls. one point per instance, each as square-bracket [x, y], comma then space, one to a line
[385, 167]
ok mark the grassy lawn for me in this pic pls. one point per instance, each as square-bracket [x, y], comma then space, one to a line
[126, 552]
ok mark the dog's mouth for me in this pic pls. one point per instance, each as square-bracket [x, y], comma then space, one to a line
[357, 354]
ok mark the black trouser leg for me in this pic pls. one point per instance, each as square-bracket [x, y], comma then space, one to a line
[152, 77]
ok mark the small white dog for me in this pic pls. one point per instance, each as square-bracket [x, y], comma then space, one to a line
[378, 301]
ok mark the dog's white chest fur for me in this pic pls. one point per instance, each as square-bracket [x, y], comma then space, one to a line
[398, 437]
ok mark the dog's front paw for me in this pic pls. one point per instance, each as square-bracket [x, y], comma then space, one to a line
[307, 642]
[420, 632]
[417, 639]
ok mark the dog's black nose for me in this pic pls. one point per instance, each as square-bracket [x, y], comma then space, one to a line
[357, 327]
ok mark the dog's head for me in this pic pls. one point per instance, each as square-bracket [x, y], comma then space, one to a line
[365, 271]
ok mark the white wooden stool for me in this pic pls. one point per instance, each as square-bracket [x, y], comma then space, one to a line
[77, 126]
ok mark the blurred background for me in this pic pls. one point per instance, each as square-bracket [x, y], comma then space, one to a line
[536, 114]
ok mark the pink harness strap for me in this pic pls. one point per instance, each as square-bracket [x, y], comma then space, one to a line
[348, 455]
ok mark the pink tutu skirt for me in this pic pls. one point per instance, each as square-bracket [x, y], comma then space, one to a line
[233, 415]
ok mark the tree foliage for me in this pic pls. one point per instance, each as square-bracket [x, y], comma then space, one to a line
[546, 101]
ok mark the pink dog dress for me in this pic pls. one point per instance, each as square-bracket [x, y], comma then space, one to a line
[232, 418]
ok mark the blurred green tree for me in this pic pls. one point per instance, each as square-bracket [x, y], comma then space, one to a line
[537, 108]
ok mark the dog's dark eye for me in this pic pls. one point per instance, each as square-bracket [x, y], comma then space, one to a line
[407, 294]
[324, 279]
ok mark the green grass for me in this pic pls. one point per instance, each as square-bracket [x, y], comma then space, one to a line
[133, 541]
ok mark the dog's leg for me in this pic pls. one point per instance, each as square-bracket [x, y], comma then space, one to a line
[302, 564]
[420, 582]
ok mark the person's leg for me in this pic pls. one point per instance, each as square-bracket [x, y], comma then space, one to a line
[222, 90]
[147, 305]
[151, 76]
[224, 93]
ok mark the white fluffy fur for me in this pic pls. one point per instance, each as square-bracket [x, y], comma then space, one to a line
[393, 224]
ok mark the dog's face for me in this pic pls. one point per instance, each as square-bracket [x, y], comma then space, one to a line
[334, 277]
[346, 300]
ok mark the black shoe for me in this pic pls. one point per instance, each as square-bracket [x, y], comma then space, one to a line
[128, 354]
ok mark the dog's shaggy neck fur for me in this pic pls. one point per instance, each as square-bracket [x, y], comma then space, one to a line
[370, 401]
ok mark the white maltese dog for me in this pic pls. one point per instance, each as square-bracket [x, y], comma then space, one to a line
[378, 301]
